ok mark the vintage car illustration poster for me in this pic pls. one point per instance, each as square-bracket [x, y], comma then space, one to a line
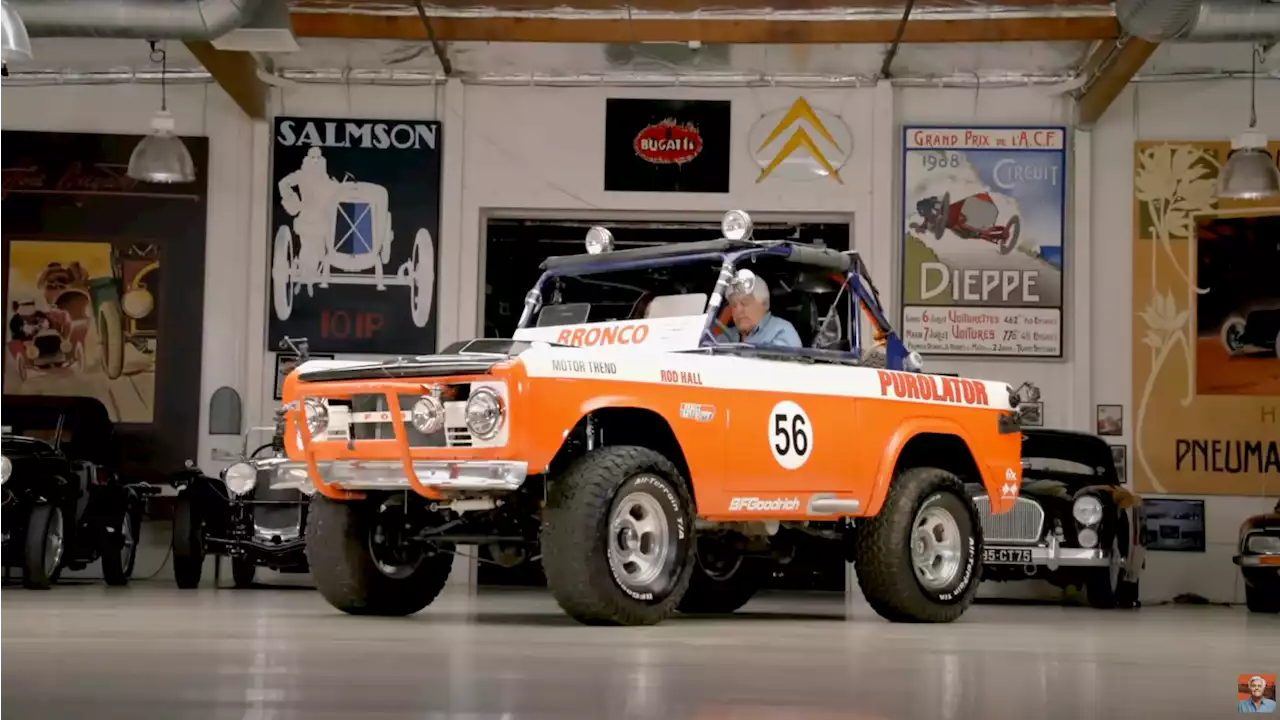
[984, 215]
[82, 321]
[355, 219]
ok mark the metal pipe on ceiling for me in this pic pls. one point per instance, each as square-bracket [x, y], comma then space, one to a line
[144, 19]
[1200, 20]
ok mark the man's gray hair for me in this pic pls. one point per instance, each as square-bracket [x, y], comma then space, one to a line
[760, 292]
[1259, 678]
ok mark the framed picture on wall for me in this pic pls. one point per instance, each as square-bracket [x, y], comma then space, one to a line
[1032, 413]
[1174, 525]
[1120, 455]
[1110, 420]
[285, 363]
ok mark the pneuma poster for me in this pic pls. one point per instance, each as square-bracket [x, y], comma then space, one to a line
[984, 217]
[355, 215]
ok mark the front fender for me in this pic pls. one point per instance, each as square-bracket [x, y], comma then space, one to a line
[990, 477]
[549, 436]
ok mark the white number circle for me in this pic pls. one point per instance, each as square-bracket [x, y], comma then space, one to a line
[790, 435]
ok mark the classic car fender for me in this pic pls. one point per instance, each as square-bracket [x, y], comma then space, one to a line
[912, 427]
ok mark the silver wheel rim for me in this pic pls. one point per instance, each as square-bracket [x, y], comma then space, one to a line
[53, 543]
[935, 547]
[126, 542]
[639, 540]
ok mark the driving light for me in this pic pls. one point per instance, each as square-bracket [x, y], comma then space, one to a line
[1087, 510]
[240, 478]
[138, 304]
[599, 240]
[65, 346]
[913, 362]
[33, 352]
[1088, 538]
[6, 469]
[427, 415]
[317, 416]
[1257, 544]
[484, 413]
[736, 225]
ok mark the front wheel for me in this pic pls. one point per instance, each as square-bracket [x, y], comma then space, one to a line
[362, 565]
[188, 543]
[723, 579]
[120, 551]
[917, 561]
[617, 537]
[111, 339]
[45, 542]
[1012, 230]
[1233, 335]
[1106, 588]
[243, 571]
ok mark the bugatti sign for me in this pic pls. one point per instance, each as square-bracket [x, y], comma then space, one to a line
[668, 142]
[654, 145]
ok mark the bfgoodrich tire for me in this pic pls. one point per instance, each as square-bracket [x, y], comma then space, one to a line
[617, 537]
[919, 559]
[340, 552]
[723, 580]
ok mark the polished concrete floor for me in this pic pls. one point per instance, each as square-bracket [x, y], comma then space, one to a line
[152, 651]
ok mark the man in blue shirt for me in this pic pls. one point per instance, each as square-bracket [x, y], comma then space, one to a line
[753, 324]
[1256, 702]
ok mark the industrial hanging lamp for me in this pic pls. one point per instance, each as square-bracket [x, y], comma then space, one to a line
[161, 157]
[14, 43]
[1250, 173]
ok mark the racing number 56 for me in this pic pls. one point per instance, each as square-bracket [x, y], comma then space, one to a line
[790, 436]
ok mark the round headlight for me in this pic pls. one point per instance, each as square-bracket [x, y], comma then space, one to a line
[1087, 510]
[33, 352]
[1257, 544]
[427, 415]
[317, 416]
[913, 362]
[240, 478]
[1088, 538]
[484, 413]
[6, 469]
[138, 303]
[65, 346]
[736, 225]
[599, 240]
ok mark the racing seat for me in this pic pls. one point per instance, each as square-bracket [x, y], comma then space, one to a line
[664, 306]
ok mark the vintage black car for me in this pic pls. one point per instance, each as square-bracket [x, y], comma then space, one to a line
[1259, 330]
[65, 504]
[236, 514]
[1074, 524]
[1259, 561]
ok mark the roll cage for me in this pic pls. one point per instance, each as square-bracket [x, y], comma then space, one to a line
[730, 254]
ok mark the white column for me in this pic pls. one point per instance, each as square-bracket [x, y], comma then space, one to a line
[1078, 313]
[452, 115]
[259, 405]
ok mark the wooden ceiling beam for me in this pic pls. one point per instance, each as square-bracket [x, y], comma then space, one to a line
[892, 6]
[710, 31]
[1109, 81]
[236, 73]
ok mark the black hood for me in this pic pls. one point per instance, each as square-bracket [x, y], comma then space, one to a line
[1072, 459]
[19, 445]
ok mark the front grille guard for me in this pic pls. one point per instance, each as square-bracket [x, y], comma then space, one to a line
[391, 391]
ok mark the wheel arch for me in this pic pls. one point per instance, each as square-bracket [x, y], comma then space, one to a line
[927, 442]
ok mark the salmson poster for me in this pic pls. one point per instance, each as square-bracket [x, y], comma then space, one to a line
[984, 215]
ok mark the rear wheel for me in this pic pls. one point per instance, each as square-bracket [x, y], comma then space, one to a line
[1106, 588]
[723, 579]
[917, 561]
[44, 545]
[617, 537]
[362, 565]
[188, 543]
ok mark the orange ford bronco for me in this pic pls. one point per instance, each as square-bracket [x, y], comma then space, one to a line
[654, 464]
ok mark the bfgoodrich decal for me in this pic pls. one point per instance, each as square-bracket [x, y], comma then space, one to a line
[355, 215]
[666, 145]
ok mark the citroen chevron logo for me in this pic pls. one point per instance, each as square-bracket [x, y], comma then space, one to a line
[800, 140]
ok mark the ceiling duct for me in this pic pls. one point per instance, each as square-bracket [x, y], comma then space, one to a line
[145, 19]
[1200, 20]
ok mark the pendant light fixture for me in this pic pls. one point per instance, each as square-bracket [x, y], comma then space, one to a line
[161, 157]
[1250, 173]
[14, 43]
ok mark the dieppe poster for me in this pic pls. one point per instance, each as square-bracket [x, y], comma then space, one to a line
[984, 215]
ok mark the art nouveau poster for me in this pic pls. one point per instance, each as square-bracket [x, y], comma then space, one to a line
[355, 216]
[984, 217]
[1206, 341]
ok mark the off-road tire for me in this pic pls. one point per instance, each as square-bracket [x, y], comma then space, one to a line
[115, 569]
[188, 542]
[882, 550]
[34, 574]
[243, 571]
[575, 535]
[344, 569]
[1259, 601]
[708, 593]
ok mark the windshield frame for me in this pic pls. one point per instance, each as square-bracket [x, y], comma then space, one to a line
[862, 292]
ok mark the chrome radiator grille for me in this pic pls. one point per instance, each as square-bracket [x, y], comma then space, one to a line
[1022, 524]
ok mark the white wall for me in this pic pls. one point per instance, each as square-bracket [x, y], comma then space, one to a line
[1161, 111]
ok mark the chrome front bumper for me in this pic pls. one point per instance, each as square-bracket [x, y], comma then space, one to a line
[1053, 556]
[464, 475]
